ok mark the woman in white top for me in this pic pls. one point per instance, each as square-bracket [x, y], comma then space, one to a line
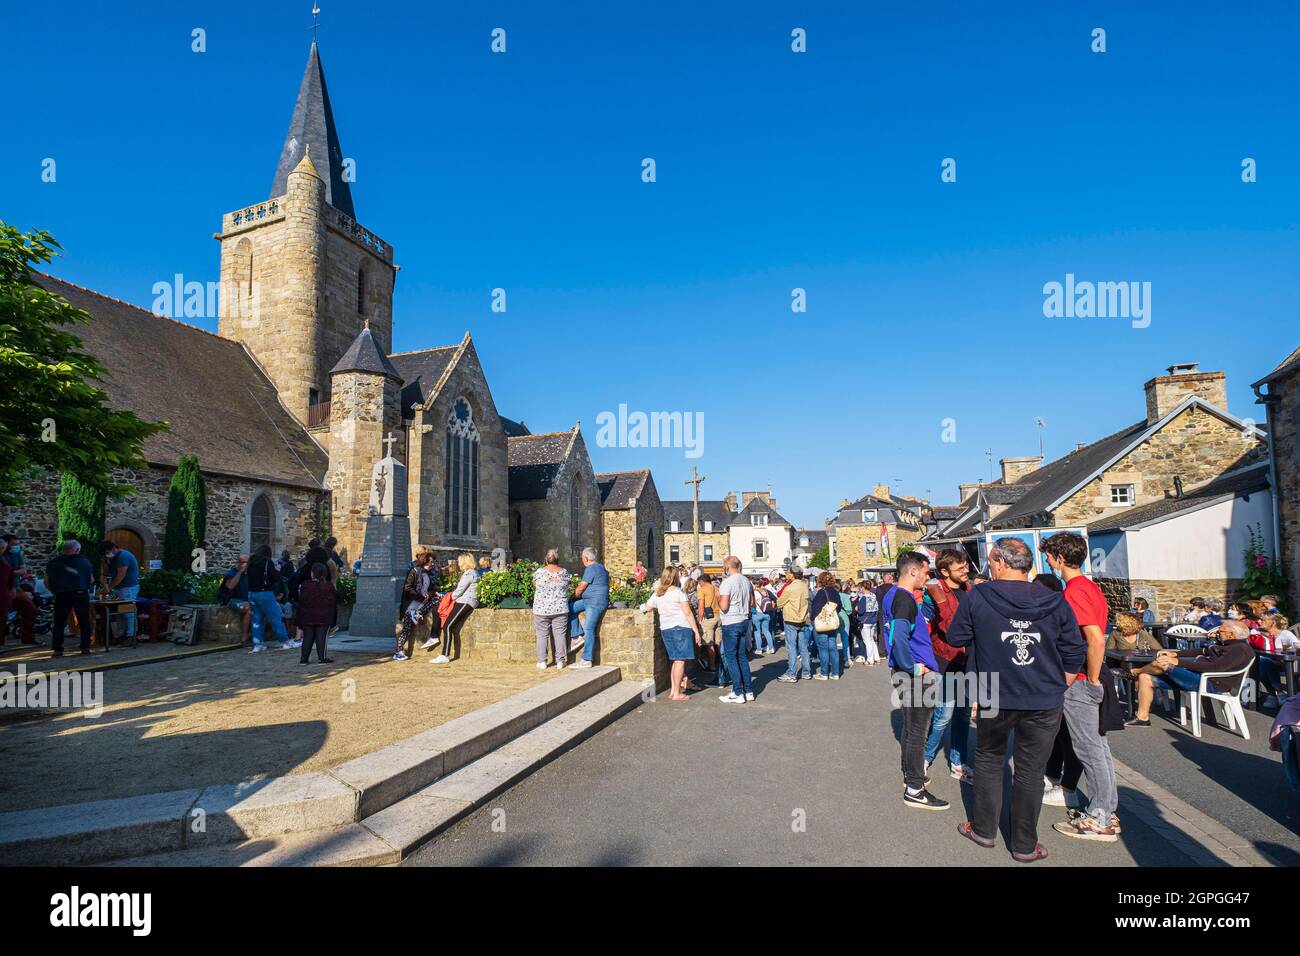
[676, 626]
[551, 609]
[466, 597]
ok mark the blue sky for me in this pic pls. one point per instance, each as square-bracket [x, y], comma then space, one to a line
[775, 170]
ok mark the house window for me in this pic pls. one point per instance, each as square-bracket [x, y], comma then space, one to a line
[868, 516]
[760, 550]
[261, 525]
[758, 521]
[1121, 494]
[708, 526]
[803, 541]
[650, 547]
[708, 552]
[460, 484]
[575, 511]
[869, 549]
[674, 526]
[674, 554]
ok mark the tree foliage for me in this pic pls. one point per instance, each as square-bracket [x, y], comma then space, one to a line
[821, 557]
[81, 516]
[53, 414]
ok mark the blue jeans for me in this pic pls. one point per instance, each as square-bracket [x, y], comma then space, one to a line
[796, 646]
[828, 655]
[848, 646]
[735, 653]
[129, 594]
[265, 608]
[590, 622]
[763, 628]
[947, 715]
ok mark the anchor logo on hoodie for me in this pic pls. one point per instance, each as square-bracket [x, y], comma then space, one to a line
[1023, 641]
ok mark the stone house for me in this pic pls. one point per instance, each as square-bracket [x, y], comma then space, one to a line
[554, 500]
[679, 532]
[1184, 546]
[1186, 439]
[868, 532]
[1279, 393]
[632, 522]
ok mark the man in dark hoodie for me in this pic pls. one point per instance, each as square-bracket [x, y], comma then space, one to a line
[1025, 646]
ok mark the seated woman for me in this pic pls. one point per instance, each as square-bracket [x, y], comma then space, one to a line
[1182, 670]
[1213, 615]
[1143, 611]
[1128, 634]
[1274, 638]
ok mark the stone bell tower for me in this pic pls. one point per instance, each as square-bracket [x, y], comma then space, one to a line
[300, 277]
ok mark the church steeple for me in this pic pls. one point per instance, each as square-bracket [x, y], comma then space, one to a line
[313, 123]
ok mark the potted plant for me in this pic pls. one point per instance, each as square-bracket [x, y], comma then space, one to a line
[345, 593]
[511, 587]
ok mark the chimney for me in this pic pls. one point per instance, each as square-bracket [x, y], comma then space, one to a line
[1164, 392]
[730, 501]
[764, 496]
[881, 491]
[844, 503]
[967, 489]
[1013, 469]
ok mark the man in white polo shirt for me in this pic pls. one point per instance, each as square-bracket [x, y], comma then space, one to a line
[736, 598]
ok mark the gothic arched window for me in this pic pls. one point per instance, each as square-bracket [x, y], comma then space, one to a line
[261, 524]
[460, 484]
[575, 510]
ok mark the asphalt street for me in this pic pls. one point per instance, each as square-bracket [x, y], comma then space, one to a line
[808, 773]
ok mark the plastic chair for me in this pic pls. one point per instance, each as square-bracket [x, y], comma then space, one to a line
[1227, 706]
[1186, 630]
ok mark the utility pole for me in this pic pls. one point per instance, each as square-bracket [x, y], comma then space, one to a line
[695, 480]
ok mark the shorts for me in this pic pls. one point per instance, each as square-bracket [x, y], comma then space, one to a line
[711, 629]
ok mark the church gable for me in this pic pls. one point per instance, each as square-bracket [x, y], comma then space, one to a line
[554, 500]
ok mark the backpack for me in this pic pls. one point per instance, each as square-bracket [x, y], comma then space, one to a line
[827, 619]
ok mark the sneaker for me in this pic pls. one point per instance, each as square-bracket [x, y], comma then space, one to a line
[1050, 782]
[1084, 827]
[820, 677]
[859, 659]
[924, 800]
[732, 698]
[257, 649]
[431, 642]
[835, 677]
[1055, 796]
[399, 656]
[787, 679]
[541, 665]
[294, 645]
[1074, 813]
[958, 772]
[560, 665]
[441, 659]
[281, 645]
[581, 665]
[749, 696]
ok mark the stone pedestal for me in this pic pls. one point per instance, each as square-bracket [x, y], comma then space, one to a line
[386, 554]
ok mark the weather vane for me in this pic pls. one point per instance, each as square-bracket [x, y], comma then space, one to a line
[315, 21]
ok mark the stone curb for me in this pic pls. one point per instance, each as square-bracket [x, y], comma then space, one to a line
[1200, 837]
[105, 830]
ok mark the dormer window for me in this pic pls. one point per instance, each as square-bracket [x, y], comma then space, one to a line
[674, 526]
[803, 541]
[868, 515]
[708, 526]
[758, 521]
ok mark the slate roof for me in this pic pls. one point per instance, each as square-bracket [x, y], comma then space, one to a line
[684, 512]
[512, 428]
[535, 461]
[946, 512]
[220, 404]
[312, 123]
[420, 372]
[758, 506]
[816, 539]
[619, 489]
[1245, 481]
[365, 355]
[1284, 368]
[1056, 478]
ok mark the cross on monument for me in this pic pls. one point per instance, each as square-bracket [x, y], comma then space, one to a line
[315, 22]
[389, 441]
[695, 480]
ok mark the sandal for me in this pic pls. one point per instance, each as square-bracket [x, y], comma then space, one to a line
[1040, 853]
[967, 830]
[691, 685]
[678, 697]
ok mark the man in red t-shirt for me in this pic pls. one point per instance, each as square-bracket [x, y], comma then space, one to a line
[1066, 553]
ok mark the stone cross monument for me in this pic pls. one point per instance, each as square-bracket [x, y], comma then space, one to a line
[387, 550]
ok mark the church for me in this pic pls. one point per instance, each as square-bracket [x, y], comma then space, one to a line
[290, 404]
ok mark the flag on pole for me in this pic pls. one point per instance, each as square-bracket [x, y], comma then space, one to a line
[884, 540]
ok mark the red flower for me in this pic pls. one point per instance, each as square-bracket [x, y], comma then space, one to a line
[1261, 561]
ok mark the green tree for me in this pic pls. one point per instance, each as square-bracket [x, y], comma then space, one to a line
[55, 415]
[187, 515]
[81, 516]
[821, 557]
